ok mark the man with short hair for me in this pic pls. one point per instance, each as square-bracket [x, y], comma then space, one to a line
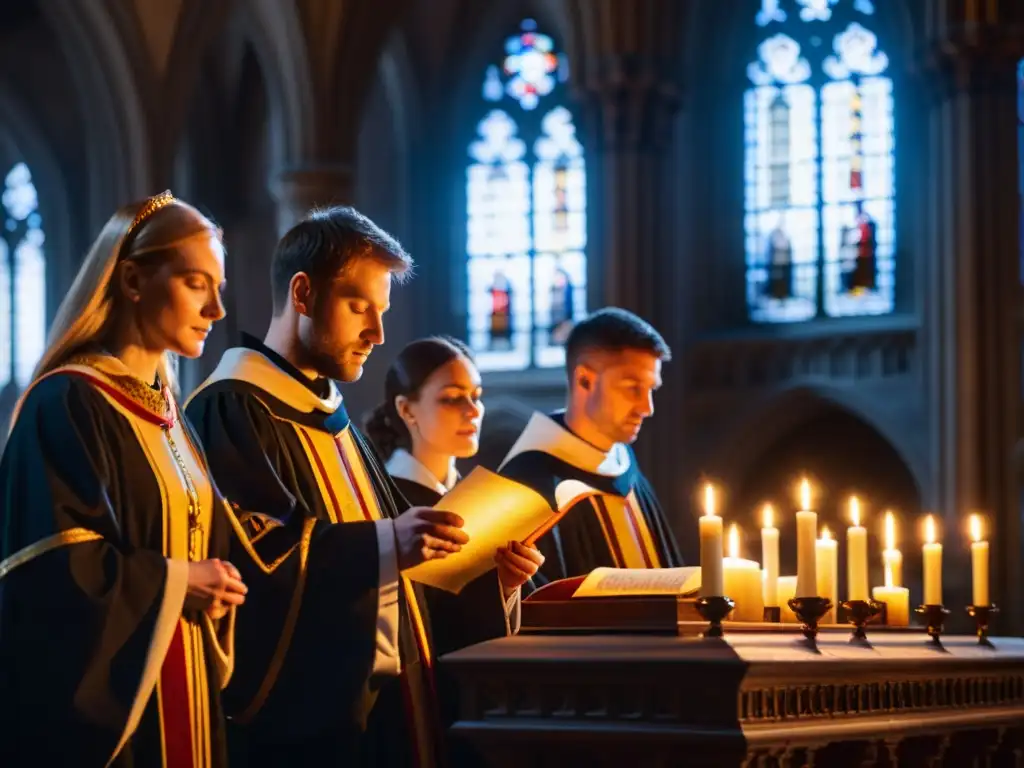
[330, 622]
[579, 459]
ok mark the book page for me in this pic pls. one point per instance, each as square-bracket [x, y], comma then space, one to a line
[495, 511]
[606, 582]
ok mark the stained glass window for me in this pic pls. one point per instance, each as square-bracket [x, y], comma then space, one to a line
[526, 211]
[22, 280]
[819, 168]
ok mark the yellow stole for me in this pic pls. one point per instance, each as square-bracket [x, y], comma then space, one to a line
[182, 687]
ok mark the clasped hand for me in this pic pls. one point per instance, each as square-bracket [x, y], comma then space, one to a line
[214, 586]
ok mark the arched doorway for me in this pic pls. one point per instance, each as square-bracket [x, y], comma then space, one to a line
[842, 455]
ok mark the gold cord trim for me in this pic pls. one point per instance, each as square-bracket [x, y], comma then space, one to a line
[41, 547]
[285, 640]
[247, 542]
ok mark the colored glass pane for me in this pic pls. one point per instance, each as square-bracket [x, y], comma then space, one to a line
[526, 213]
[819, 165]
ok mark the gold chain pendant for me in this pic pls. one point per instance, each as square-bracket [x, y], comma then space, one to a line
[195, 526]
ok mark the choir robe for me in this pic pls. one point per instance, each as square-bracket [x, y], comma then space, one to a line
[610, 516]
[476, 614]
[101, 661]
[332, 667]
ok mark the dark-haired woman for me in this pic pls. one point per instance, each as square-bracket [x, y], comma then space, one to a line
[430, 417]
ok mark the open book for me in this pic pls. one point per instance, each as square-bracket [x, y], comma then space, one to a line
[495, 511]
[609, 582]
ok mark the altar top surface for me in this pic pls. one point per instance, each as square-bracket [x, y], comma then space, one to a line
[897, 648]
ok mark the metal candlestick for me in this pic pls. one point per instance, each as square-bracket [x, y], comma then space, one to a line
[810, 611]
[714, 610]
[859, 613]
[935, 618]
[982, 614]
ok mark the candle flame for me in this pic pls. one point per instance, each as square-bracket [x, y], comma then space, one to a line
[769, 516]
[734, 541]
[855, 510]
[709, 500]
[890, 530]
[826, 534]
[805, 494]
[975, 527]
[929, 529]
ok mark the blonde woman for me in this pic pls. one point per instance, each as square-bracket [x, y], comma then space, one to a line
[116, 614]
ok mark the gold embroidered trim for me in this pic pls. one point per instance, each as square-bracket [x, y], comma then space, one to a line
[41, 547]
[153, 400]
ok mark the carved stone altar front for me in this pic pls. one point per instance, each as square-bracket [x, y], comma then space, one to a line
[755, 699]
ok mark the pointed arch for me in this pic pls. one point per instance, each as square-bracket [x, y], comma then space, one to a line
[524, 202]
[751, 431]
[114, 116]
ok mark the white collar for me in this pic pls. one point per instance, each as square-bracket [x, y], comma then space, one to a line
[406, 466]
[543, 433]
[254, 367]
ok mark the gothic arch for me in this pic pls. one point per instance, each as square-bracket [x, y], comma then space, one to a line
[276, 33]
[117, 142]
[54, 206]
[896, 28]
[752, 431]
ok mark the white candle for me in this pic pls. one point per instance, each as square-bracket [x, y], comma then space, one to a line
[932, 554]
[770, 558]
[979, 563]
[892, 558]
[856, 555]
[742, 581]
[827, 566]
[711, 582]
[896, 599]
[787, 589]
[806, 535]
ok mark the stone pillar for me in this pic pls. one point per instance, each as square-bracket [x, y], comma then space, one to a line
[972, 299]
[627, 73]
[297, 190]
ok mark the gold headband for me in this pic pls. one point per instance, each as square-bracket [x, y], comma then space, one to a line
[152, 205]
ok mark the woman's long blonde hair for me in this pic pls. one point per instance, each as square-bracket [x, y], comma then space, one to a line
[90, 310]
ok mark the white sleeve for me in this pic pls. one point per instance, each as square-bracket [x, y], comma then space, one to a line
[386, 659]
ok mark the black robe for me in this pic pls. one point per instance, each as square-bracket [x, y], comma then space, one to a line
[607, 513]
[457, 621]
[98, 655]
[288, 461]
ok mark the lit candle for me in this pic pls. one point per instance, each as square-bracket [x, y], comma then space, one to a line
[787, 589]
[770, 557]
[896, 599]
[806, 535]
[742, 582]
[892, 558]
[827, 566]
[979, 562]
[932, 553]
[711, 584]
[856, 555]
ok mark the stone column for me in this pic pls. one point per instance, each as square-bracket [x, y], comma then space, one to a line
[972, 299]
[297, 190]
[627, 73]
